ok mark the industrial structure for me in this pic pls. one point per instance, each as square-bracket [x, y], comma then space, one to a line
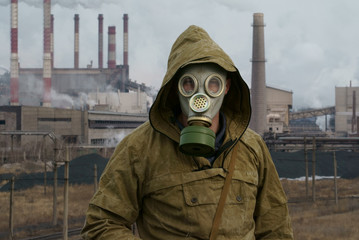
[83, 127]
[73, 82]
[346, 111]
[258, 83]
[279, 103]
[78, 105]
[270, 106]
[99, 105]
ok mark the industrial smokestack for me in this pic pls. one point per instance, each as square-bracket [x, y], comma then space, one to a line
[100, 41]
[76, 44]
[52, 41]
[111, 47]
[258, 86]
[125, 39]
[14, 59]
[354, 117]
[47, 54]
[125, 72]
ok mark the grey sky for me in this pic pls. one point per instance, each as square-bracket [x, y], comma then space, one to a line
[311, 45]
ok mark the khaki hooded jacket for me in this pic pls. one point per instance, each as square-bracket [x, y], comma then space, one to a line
[171, 195]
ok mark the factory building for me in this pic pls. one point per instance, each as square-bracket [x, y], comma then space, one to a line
[22, 125]
[279, 103]
[92, 105]
[42, 86]
[346, 111]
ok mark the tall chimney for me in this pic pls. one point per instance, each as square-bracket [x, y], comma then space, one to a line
[14, 59]
[47, 54]
[125, 39]
[258, 86]
[125, 73]
[354, 117]
[100, 41]
[52, 40]
[76, 44]
[111, 47]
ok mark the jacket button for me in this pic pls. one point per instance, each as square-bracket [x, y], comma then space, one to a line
[194, 200]
[238, 198]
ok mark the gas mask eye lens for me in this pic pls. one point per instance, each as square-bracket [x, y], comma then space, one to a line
[214, 86]
[187, 85]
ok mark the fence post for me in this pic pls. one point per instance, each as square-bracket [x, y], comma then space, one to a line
[95, 177]
[11, 217]
[335, 179]
[66, 196]
[12, 149]
[313, 168]
[54, 189]
[43, 158]
[54, 197]
[306, 167]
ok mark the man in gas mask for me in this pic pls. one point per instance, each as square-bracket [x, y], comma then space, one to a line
[194, 170]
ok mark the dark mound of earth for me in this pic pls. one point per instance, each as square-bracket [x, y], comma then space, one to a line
[288, 164]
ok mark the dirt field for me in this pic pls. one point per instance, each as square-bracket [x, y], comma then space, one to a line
[323, 219]
[33, 203]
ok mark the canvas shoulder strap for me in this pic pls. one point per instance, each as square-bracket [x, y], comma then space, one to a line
[224, 193]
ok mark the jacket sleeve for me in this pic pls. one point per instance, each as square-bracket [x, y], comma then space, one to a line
[115, 206]
[271, 213]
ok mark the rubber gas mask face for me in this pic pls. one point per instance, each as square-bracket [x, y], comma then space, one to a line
[201, 91]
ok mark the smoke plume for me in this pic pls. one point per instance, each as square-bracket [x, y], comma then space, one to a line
[63, 3]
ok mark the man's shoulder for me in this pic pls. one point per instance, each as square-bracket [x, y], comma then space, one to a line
[142, 132]
[251, 136]
[253, 141]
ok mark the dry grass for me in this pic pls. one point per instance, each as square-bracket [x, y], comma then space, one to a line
[324, 188]
[326, 220]
[33, 209]
[323, 219]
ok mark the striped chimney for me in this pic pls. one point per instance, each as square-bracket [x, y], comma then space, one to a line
[52, 41]
[258, 86]
[14, 59]
[125, 72]
[76, 43]
[100, 41]
[111, 47]
[47, 54]
[125, 39]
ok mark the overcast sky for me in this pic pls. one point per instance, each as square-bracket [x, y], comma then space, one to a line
[311, 46]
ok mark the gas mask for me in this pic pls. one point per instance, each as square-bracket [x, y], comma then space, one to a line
[201, 92]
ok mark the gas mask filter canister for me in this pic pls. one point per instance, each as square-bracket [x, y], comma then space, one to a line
[201, 91]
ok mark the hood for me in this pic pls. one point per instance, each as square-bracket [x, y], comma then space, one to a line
[193, 46]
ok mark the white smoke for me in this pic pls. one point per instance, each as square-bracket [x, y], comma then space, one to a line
[30, 91]
[3, 69]
[113, 139]
[63, 3]
[83, 3]
[59, 100]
